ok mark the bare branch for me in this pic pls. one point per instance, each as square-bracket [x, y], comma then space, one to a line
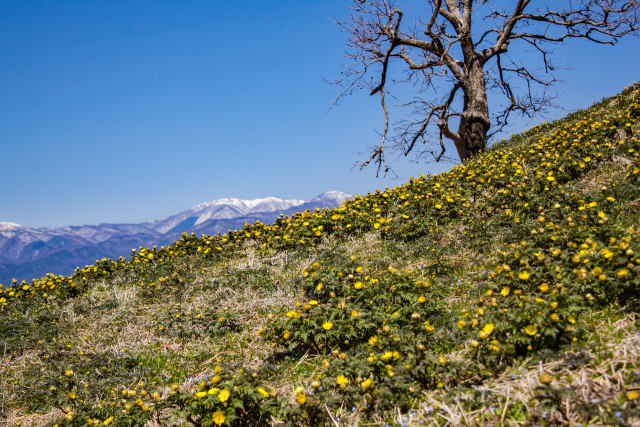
[385, 62]
[377, 156]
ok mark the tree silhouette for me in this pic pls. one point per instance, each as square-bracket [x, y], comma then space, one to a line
[451, 53]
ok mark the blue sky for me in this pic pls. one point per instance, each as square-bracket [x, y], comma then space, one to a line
[117, 111]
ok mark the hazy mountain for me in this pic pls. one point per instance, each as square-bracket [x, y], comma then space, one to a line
[26, 253]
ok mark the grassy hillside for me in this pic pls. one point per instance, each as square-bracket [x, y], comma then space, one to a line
[503, 291]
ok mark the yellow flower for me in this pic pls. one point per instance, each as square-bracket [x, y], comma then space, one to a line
[354, 313]
[422, 299]
[263, 392]
[544, 287]
[68, 373]
[223, 395]
[531, 329]
[486, 330]
[342, 381]
[218, 418]
[108, 421]
[327, 325]
[632, 395]
[301, 398]
[201, 394]
[357, 285]
[366, 383]
[505, 291]
[373, 340]
[428, 326]
[461, 324]
[286, 335]
[623, 272]
[442, 360]
[524, 275]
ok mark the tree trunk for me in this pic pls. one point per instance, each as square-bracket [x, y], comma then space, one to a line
[475, 137]
[476, 110]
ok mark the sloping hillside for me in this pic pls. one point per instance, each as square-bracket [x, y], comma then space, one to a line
[503, 291]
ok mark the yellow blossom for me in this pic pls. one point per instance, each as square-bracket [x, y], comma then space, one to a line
[263, 392]
[486, 331]
[218, 418]
[342, 381]
[428, 326]
[301, 398]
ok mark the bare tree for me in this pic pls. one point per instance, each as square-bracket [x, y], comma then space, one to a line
[450, 53]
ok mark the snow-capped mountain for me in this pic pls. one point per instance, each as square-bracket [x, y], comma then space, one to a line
[222, 209]
[26, 253]
[7, 227]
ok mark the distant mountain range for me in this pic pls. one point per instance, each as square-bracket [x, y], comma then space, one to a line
[27, 253]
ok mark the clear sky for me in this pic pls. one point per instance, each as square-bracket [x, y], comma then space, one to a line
[125, 111]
